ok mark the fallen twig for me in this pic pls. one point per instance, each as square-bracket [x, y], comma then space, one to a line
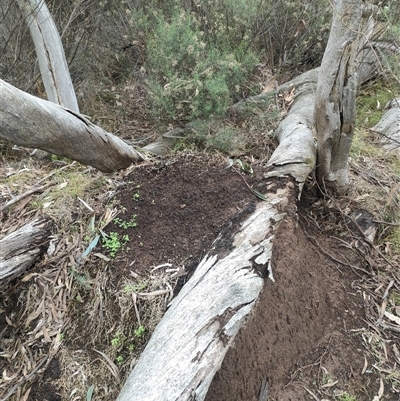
[25, 194]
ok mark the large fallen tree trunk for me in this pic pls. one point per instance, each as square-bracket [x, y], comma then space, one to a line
[20, 249]
[36, 123]
[189, 344]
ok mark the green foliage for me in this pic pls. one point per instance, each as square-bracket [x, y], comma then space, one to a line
[117, 340]
[215, 136]
[199, 55]
[194, 72]
[114, 242]
[139, 332]
[126, 224]
[370, 104]
[347, 397]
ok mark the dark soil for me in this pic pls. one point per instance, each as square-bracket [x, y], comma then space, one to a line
[181, 207]
[301, 322]
[299, 336]
[303, 318]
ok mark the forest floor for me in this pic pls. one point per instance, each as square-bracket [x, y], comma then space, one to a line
[72, 328]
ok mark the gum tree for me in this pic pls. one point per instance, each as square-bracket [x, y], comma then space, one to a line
[50, 53]
[335, 98]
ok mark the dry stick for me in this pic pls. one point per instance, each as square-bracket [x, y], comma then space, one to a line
[24, 195]
[386, 222]
[326, 253]
[55, 171]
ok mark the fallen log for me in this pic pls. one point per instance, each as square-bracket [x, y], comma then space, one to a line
[388, 126]
[189, 344]
[20, 249]
[32, 122]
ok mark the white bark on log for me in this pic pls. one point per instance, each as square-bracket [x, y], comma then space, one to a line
[20, 249]
[50, 53]
[389, 126]
[189, 344]
[36, 123]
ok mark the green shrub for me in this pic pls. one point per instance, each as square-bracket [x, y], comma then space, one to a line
[190, 77]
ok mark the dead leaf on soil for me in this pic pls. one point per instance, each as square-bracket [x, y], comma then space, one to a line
[110, 365]
[380, 392]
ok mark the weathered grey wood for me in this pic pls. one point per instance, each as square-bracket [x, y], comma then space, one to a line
[389, 126]
[36, 123]
[335, 96]
[189, 344]
[50, 53]
[20, 249]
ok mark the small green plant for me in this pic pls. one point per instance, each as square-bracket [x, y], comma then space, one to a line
[117, 340]
[347, 397]
[136, 195]
[139, 332]
[134, 287]
[126, 224]
[82, 279]
[114, 243]
[119, 359]
[131, 347]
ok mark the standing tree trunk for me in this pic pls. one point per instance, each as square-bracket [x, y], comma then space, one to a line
[335, 99]
[50, 53]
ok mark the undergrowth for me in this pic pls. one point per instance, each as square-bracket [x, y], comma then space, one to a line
[366, 146]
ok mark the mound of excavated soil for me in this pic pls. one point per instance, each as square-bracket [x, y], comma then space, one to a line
[299, 336]
[301, 321]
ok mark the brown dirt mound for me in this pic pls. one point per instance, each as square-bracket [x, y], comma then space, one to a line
[301, 321]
